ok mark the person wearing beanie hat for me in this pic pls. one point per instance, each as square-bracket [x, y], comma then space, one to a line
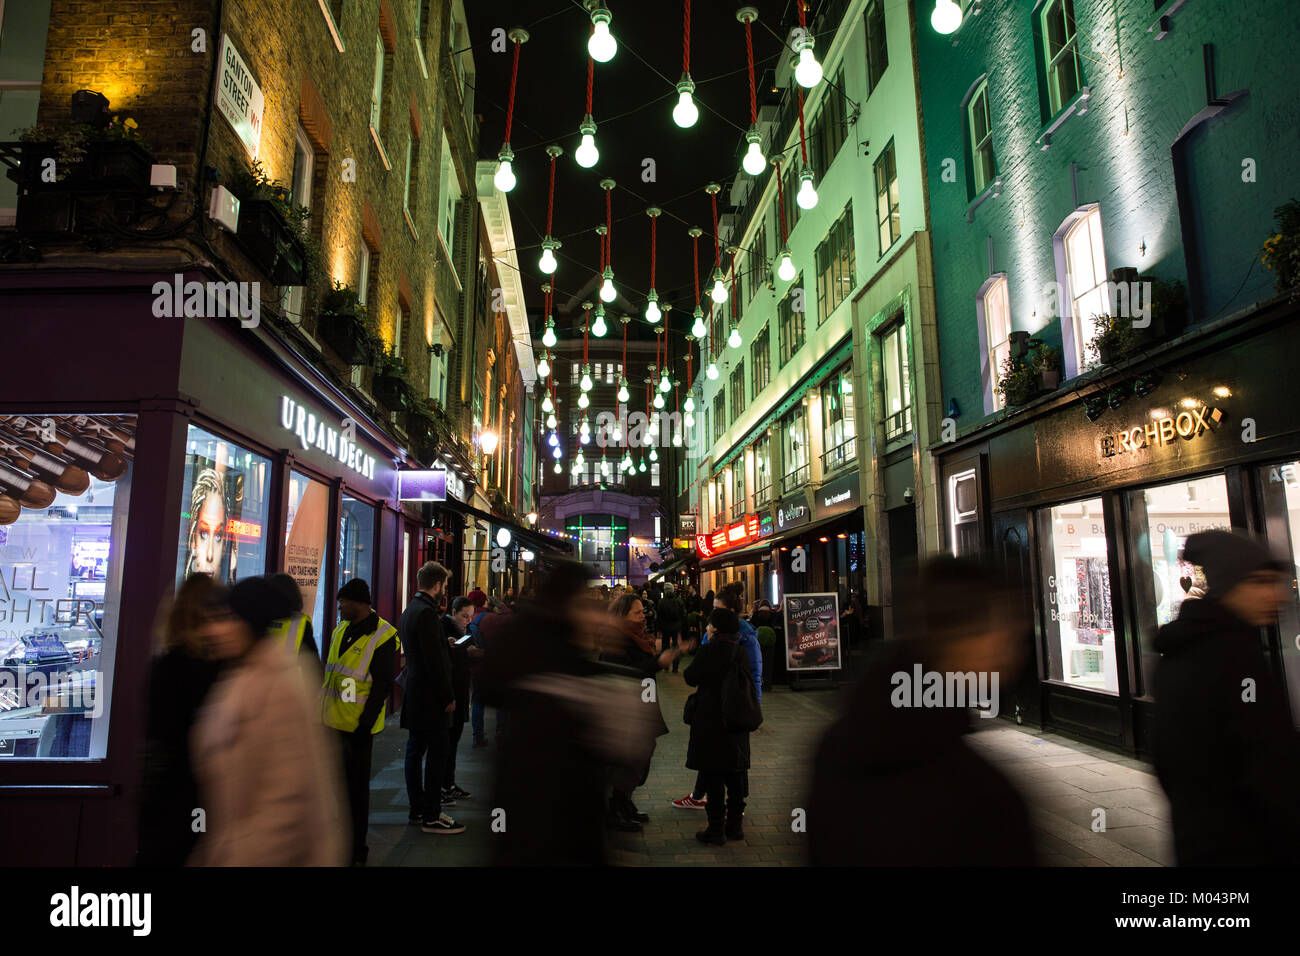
[363, 643]
[265, 768]
[1221, 740]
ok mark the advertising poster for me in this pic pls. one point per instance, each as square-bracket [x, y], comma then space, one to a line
[812, 632]
[304, 553]
[214, 529]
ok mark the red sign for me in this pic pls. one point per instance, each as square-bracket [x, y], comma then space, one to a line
[726, 538]
[244, 530]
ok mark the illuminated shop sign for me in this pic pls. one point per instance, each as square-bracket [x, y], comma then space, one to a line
[244, 530]
[1163, 429]
[732, 536]
[315, 433]
[787, 516]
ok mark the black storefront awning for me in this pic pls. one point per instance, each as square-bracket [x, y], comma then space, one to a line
[534, 539]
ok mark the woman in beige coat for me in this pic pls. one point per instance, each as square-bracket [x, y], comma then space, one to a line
[268, 784]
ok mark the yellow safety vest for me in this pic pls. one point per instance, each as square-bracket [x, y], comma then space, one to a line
[347, 678]
[290, 632]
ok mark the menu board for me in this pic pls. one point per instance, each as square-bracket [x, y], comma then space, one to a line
[812, 632]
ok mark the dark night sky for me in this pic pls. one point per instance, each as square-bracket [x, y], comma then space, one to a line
[634, 94]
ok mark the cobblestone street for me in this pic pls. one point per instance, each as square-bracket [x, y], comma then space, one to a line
[1064, 782]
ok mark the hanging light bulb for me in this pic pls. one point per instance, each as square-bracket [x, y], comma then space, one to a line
[543, 367]
[785, 271]
[604, 465]
[652, 313]
[664, 384]
[557, 469]
[578, 460]
[685, 113]
[807, 195]
[734, 338]
[627, 464]
[677, 439]
[584, 428]
[587, 154]
[946, 17]
[719, 291]
[547, 404]
[689, 404]
[584, 437]
[599, 328]
[712, 372]
[505, 180]
[556, 452]
[586, 383]
[616, 436]
[607, 291]
[654, 454]
[754, 162]
[553, 440]
[808, 73]
[551, 421]
[699, 329]
[623, 394]
[583, 400]
[659, 401]
[602, 46]
[688, 420]
[641, 468]
[547, 263]
[548, 336]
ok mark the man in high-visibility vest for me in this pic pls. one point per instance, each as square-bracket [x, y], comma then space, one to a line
[293, 633]
[358, 680]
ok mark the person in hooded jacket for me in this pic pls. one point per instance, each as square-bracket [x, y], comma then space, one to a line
[888, 760]
[1222, 741]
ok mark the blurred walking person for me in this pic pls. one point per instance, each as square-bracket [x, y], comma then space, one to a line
[890, 759]
[179, 680]
[719, 752]
[670, 615]
[1222, 743]
[429, 702]
[354, 696]
[268, 775]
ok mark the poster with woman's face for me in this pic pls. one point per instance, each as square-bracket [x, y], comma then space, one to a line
[210, 519]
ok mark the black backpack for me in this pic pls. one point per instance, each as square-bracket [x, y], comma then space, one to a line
[741, 711]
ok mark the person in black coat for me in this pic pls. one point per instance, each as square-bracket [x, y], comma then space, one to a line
[720, 755]
[454, 625]
[1225, 750]
[429, 701]
[889, 760]
[179, 681]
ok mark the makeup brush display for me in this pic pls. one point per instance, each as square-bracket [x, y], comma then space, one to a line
[42, 456]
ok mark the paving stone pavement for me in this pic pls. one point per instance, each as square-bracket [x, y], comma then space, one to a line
[1064, 782]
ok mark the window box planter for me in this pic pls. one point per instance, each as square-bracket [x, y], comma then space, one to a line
[343, 332]
[270, 242]
[391, 390]
[119, 164]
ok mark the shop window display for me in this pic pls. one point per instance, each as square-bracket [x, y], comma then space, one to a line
[1161, 519]
[1080, 628]
[356, 542]
[305, 542]
[65, 483]
[223, 510]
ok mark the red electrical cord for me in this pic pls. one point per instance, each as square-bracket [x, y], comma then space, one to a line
[734, 297]
[686, 39]
[803, 139]
[609, 227]
[653, 219]
[749, 55]
[591, 79]
[695, 261]
[780, 201]
[514, 75]
[717, 249]
[585, 326]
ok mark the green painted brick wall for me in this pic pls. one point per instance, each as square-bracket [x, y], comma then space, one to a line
[1144, 91]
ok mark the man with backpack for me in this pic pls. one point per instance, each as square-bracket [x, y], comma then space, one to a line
[722, 713]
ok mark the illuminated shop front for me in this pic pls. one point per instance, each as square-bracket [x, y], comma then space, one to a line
[1089, 498]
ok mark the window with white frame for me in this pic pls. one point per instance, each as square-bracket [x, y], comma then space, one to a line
[363, 273]
[410, 193]
[995, 311]
[448, 196]
[377, 87]
[794, 448]
[300, 186]
[889, 220]
[980, 129]
[898, 386]
[1060, 53]
[654, 475]
[762, 471]
[1085, 270]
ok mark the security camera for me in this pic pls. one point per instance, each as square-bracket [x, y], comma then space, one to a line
[908, 495]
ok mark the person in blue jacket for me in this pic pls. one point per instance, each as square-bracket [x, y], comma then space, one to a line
[730, 596]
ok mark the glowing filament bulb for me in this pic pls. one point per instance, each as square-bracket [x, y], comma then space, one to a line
[623, 394]
[543, 367]
[685, 113]
[712, 372]
[548, 337]
[699, 329]
[586, 382]
[807, 195]
[719, 293]
[734, 339]
[607, 291]
[551, 421]
[809, 72]
[652, 313]
[689, 404]
[785, 271]
[547, 404]
[583, 400]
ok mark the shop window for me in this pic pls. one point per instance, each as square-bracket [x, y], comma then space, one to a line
[65, 485]
[224, 509]
[898, 383]
[877, 47]
[306, 541]
[979, 131]
[1078, 610]
[889, 220]
[963, 513]
[1081, 267]
[1160, 521]
[839, 432]
[993, 308]
[794, 440]
[356, 542]
[1060, 52]
[836, 265]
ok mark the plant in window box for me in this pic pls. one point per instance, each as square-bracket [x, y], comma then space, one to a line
[390, 384]
[1047, 361]
[271, 229]
[1281, 253]
[1019, 380]
[86, 157]
[342, 325]
[1114, 340]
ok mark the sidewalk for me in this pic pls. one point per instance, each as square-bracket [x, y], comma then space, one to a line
[1064, 783]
